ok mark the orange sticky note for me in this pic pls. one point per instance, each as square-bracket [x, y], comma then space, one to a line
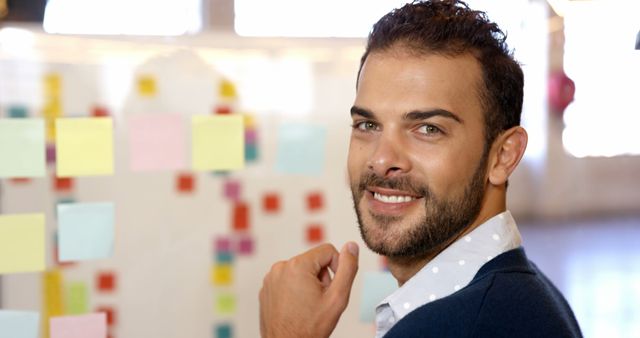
[240, 216]
[271, 203]
[315, 201]
[315, 234]
[185, 183]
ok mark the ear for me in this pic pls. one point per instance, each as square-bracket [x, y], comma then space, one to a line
[508, 150]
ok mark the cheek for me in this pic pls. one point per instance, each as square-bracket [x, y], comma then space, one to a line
[446, 172]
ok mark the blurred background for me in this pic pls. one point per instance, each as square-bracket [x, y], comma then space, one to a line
[190, 245]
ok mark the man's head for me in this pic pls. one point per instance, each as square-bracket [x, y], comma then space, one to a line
[436, 130]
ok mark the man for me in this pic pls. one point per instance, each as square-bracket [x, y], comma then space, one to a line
[435, 138]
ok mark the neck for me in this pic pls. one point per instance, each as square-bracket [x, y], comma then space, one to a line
[403, 268]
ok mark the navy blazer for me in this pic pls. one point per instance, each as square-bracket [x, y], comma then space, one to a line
[508, 297]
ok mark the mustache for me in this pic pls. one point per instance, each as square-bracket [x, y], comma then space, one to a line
[403, 183]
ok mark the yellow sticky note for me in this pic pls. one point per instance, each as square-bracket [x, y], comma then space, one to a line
[147, 85]
[217, 142]
[84, 146]
[52, 304]
[22, 243]
[52, 84]
[222, 275]
[227, 90]
[249, 121]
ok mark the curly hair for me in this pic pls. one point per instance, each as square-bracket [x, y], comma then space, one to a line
[450, 28]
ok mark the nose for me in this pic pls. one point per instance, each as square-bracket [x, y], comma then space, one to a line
[389, 158]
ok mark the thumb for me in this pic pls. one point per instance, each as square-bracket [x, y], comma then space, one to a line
[346, 272]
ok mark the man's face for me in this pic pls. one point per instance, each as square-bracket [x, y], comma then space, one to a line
[416, 158]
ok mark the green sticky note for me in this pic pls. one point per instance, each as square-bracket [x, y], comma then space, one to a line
[217, 142]
[226, 303]
[85, 231]
[22, 241]
[377, 286]
[76, 298]
[84, 146]
[22, 148]
[19, 324]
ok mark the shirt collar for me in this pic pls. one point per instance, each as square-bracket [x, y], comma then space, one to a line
[455, 267]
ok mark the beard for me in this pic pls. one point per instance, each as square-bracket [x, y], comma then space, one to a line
[443, 220]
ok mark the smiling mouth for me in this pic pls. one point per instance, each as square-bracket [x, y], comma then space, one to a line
[392, 198]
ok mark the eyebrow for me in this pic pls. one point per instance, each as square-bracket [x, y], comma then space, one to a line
[415, 115]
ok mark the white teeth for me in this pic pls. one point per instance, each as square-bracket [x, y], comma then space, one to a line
[392, 199]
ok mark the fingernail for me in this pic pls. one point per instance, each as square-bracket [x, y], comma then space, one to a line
[353, 248]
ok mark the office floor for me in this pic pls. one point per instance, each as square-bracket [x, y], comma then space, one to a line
[596, 264]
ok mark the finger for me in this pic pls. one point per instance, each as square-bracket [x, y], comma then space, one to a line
[316, 259]
[324, 277]
[346, 273]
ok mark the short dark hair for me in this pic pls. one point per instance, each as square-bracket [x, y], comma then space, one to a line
[451, 28]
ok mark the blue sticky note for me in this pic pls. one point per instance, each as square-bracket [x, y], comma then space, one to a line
[19, 324]
[85, 231]
[18, 112]
[301, 149]
[377, 286]
[224, 330]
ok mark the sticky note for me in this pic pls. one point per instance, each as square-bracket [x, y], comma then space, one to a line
[223, 244]
[377, 285]
[52, 84]
[85, 231]
[232, 190]
[62, 184]
[99, 111]
[93, 325]
[52, 293]
[147, 85]
[22, 243]
[110, 312]
[217, 142]
[251, 152]
[22, 148]
[18, 112]
[19, 324]
[222, 275]
[301, 149]
[84, 146]
[76, 298]
[240, 216]
[315, 233]
[185, 183]
[245, 245]
[224, 330]
[224, 257]
[157, 142]
[315, 201]
[105, 281]
[227, 90]
[249, 121]
[250, 136]
[20, 180]
[223, 109]
[51, 153]
[271, 203]
[226, 303]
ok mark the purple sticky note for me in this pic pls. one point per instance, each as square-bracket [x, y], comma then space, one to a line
[232, 190]
[223, 244]
[250, 136]
[93, 325]
[51, 153]
[245, 245]
[157, 142]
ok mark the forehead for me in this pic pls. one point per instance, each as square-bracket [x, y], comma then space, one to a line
[400, 82]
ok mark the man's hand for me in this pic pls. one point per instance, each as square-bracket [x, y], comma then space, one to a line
[299, 299]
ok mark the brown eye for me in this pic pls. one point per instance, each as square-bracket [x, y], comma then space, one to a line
[429, 129]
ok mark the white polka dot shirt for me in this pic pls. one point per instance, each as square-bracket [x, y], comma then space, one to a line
[450, 271]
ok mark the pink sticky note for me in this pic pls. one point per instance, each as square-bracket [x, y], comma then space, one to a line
[223, 244]
[156, 142]
[245, 245]
[232, 190]
[93, 325]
